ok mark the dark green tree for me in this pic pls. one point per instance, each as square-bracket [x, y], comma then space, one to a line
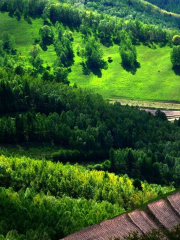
[46, 35]
[175, 56]
[176, 39]
[8, 43]
[35, 59]
[128, 52]
[93, 54]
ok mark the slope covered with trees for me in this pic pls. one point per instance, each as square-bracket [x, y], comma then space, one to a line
[38, 107]
[45, 200]
[154, 12]
[62, 53]
[87, 127]
[169, 5]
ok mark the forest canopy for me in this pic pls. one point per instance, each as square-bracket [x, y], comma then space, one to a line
[105, 158]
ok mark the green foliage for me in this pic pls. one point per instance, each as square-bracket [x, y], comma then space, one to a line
[61, 75]
[134, 9]
[32, 216]
[46, 35]
[171, 6]
[46, 200]
[128, 55]
[127, 51]
[31, 150]
[67, 156]
[8, 43]
[82, 121]
[102, 27]
[63, 47]
[137, 184]
[35, 59]
[75, 181]
[92, 54]
[176, 39]
[160, 115]
[144, 164]
[106, 165]
[175, 59]
[23, 7]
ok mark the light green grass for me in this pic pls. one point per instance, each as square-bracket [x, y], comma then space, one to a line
[154, 80]
[24, 35]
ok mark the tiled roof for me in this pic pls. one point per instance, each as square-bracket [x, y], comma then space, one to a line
[160, 213]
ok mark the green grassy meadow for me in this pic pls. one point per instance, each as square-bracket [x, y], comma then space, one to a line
[154, 80]
[25, 34]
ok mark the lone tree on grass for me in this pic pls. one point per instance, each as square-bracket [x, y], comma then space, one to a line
[92, 54]
[35, 60]
[127, 51]
[46, 35]
[175, 56]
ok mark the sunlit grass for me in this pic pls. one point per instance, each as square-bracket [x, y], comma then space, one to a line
[154, 80]
[25, 35]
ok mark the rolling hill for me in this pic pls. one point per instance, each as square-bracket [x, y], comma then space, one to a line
[153, 80]
[60, 65]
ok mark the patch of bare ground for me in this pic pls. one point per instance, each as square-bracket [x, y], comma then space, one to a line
[171, 109]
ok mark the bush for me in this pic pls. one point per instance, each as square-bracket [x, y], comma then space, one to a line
[175, 59]
[67, 156]
[176, 39]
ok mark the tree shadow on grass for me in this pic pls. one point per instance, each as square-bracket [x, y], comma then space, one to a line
[132, 69]
[96, 71]
[43, 46]
[176, 70]
[87, 69]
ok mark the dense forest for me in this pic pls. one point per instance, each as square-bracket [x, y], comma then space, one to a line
[153, 12]
[169, 5]
[87, 127]
[45, 200]
[105, 158]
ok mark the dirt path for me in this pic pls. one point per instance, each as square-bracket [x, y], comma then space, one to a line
[171, 115]
[171, 109]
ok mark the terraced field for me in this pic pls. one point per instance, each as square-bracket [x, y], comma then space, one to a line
[161, 213]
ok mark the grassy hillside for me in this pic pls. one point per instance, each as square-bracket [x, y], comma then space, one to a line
[48, 200]
[23, 32]
[153, 80]
[25, 35]
[42, 117]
